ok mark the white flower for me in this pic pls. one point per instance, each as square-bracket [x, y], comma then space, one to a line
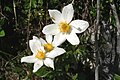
[64, 28]
[50, 46]
[41, 55]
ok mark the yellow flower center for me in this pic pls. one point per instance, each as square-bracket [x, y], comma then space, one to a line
[40, 55]
[48, 47]
[64, 27]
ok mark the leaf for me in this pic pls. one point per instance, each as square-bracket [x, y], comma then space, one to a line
[2, 33]
[116, 77]
[43, 72]
[2, 21]
[6, 8]
[33, 3]
[40, 2]
[75, 77]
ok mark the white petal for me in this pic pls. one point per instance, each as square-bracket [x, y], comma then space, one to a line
[80, 25]
[55, 52]
[34, 44]
[59, 39]
[68, 12]
[49, 62]
[29, 59]
[51, 29]
[55, 15]
[37, 65]
[42, 49]
[73, 39]
[75, 30]
[43, 41]
[34, 37]
[49, 38]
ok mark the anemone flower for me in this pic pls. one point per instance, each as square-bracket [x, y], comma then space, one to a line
[42, 54]
[63, 27]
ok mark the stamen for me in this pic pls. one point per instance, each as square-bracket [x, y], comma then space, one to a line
[48, 47]
[40, 55]
[64, 27]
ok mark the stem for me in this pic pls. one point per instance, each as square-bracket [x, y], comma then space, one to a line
[4, 53]
[28, 34]
[116, 16]
[117, 47]
[14, 8]
[96, 41]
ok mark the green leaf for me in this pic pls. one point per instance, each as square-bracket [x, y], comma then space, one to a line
[43, 72]
[6, 8]
[2, 33]
[2, 21]
[33, 3]
[40, 2]
[75, 77]
[116, 77]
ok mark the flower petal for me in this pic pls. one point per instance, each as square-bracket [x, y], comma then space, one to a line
[79, 25]
[51, 29]
[59, 39]
[73, 39]
[29, 59]
[34, 37]
[68, 12]
[49, 62]
[49, 38]
[42, 41]
[55, 15]
[34, 44]
[37, 65]
[55, 52]
[75, 30]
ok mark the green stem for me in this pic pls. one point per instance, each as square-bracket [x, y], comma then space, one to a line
[96, 42]
[14, 8]
[28, 25]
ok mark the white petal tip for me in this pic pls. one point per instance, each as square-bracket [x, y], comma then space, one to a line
[34, 37]
[77, 43]
[49, 9]
[43, 31]
[64, 51]
[34, 71]
[87, 24]
[53, 68]
[22, 60]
